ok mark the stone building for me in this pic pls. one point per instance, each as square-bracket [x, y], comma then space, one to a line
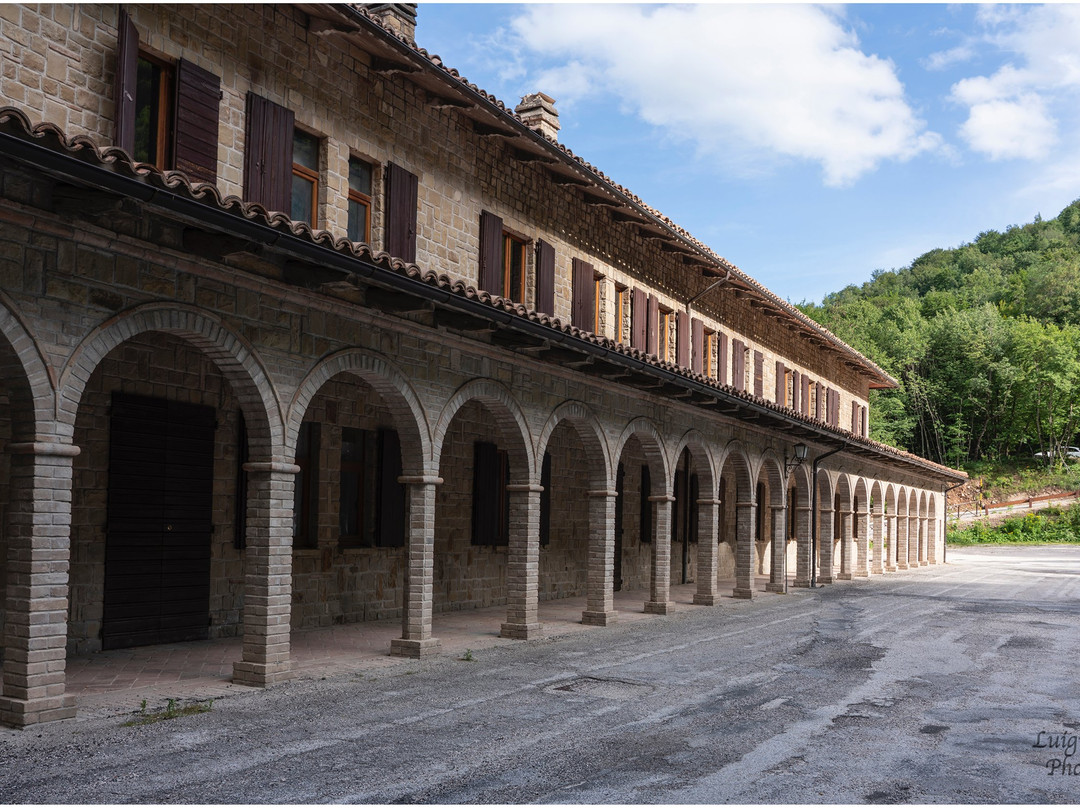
[298, 327]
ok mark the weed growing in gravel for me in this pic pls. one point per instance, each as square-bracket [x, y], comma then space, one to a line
[170, 711]
[468, 656]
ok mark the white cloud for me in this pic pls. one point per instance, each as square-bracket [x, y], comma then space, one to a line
[946, 58]
[745, 84]
[1016, 111]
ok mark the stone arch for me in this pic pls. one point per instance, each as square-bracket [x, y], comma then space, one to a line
[891, 526]
[507, 413]
[391, 384]
[701, 451]
[652, 444]
[771, 465]
[231, 353]
[774, 529]
[736, 454]
[591, 434]
[33, 389]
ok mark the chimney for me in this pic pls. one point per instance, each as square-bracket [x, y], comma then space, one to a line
[398, 17]
[537, 111]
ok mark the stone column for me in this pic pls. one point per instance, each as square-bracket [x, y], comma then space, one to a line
[924, 540]
[901, 542]
[862, 545]
[600, 597]
[802, 554]
[267, 575]
[825, 545]
[523, 563]
[36, 603]
[845, 546]
[935, 534]
[778, 568]
[416, 640]
[745, 550]
[878, 522]
[659, 601]
[890, 556]
[708, 527]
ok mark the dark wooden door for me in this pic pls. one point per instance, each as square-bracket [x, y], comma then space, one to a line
[157, 547]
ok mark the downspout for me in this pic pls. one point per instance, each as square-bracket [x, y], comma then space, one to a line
[706, 290]
[813, 515]
[945, 522]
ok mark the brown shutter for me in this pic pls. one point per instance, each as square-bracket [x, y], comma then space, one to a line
[781, 388]
[401, 198]
[854, 418]
[268, 154]
[682, 339]
[486, 494]
[638, 312]
[796, 389]
[722, 359]
[652, 332]
[545, 278]
[698, 362]
[738, 365]
[863, 411]
[834, 407]
[491, 244]
[806, 383]
[583, 312]
[759, 374]
[127, 71]
[819, 406]
[390, 524]
[195, 138]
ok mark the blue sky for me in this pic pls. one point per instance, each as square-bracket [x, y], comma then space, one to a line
[809, 145]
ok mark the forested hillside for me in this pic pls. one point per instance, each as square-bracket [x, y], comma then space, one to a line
[984, 339]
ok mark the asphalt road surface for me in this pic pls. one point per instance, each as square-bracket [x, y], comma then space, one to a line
[956, 683]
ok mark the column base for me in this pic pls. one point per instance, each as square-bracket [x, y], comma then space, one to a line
[22, 713]
[742, 594]
[924, 563]
[801, 584]
[902, 566]
[843, 576]
[862, 574]
[262, 674]
[890, 568]
[706, 600]
[413, 649]
[659, 607]
[777, 589]
[521, 631]
[591, 618]
[825, 579]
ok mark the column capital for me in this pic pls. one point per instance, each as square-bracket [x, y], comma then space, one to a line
[602, 492]
[523, 488]
[45, 449]
[272, 466]
[420, 479]
[707, 502]
[662, 498]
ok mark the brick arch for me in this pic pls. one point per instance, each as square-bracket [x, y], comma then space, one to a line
[913, 503]
[922, 503]
[508, 415]
[877, 494]
[233, 356]
[652, 444]
[826, 489]
[771, 466]
[901, 501]
[394, 388]
[736, 454]
[931, 506]
[861, 490]
[587, 427]
[701, 453]
[32, 381]
[844, 489]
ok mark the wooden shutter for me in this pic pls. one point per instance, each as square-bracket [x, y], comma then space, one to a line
[854, 418]
[486, 494]
[583, 312]
[759, 374]
[698, 362]
[491, 244]
[638, 314]
[268, 154]
[806, 383]
[127, 71]
[545, 501]
[401, 199]
[682, 339]
[796, 390]
[781, 386]
[652, 333]
[645, 526]
[390, 517]
[545, 278]
[738, 365]
[819, 405]
[722, 359]
[195, 136]
[865, 432]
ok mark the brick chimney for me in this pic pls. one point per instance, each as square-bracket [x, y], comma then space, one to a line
[537, 111]
[398, 17]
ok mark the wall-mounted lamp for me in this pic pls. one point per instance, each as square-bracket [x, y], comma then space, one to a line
[801, 450]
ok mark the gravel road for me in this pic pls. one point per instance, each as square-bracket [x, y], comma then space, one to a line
[955, 683]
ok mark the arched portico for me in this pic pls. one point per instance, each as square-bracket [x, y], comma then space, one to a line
[737, 489]
[702, 509]
[775, 530]
[843, 502]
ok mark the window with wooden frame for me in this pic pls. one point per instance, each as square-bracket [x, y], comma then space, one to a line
[371, 501]
[622, 313]
[305, 177]
[789, 388]
[585, 311]
[306, 487]
[665, 350]
[598, 291]
[709, 355]
[513, 280]
[360, 172]
[167, 110]
[491, 500]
